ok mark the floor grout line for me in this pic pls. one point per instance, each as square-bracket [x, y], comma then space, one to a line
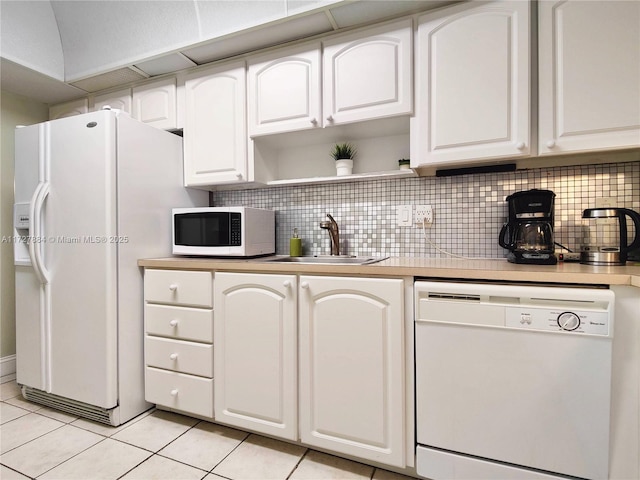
[306, 452]
[103, 435]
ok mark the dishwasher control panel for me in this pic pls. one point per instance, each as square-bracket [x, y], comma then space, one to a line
[576, 321]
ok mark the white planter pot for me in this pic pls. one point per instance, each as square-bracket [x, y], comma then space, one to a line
[344, 167]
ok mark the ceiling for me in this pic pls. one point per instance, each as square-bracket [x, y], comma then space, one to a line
[59, 50]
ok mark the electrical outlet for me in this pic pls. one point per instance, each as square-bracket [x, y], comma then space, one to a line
[405, 215]
[423, 213]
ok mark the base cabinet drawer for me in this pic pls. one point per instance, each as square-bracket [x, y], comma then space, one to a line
[182, 323]
[179, 287]
[179, 391]
[184, 357]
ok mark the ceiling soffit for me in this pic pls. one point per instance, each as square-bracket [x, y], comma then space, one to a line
[106, 43]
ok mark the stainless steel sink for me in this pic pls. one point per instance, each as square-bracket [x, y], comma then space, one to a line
[327, 259]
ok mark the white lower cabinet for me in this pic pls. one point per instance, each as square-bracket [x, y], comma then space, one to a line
[348, 356]
[315, 359]
[352, 387]
[178, 344]
[255, 341]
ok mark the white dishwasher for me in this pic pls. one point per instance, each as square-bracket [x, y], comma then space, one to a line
[512, 381]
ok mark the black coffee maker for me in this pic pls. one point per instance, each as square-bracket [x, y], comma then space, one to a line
[528, 233]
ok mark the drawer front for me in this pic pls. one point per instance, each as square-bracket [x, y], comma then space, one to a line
[180, 356]
[177, 390]
[179, 322]
[179, 287]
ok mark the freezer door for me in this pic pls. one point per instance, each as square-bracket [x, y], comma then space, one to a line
[79, 222]
[30, 334]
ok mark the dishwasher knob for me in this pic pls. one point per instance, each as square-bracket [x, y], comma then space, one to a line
[568, 321]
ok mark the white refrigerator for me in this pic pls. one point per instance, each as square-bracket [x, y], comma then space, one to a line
[93, 194]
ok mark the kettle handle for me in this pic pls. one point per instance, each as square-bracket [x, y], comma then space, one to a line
[635, 217]
[505, 231]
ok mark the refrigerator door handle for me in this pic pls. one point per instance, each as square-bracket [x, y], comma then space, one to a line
[35, 222]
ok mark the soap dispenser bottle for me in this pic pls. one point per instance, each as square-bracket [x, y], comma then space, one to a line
[295, 245]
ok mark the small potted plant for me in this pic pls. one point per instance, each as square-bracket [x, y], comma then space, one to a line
[343, 154]
[404, 163]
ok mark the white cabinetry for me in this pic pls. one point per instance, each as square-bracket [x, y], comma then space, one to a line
[473, 84]
[120, 100]
[178, 315]
[69, 109]
[154, 103]
[256, 353]
[352, 366]
[368, 74]
[349, 357]
[284, 90]
[215, 133]
[589, 55]
[360, 87]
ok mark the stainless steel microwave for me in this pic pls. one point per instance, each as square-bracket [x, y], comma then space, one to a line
[223, 231]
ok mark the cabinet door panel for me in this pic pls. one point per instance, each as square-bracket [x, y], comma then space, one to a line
[255, 352]
[589, 75]
[473, 87]
[284, 91]
[120, 100]
[352, 366]
[485, 117]
[215, 142]
[69, 109]
[155, 103]
[368, 75]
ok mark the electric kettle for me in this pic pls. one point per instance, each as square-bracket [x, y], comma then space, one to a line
[607, 243]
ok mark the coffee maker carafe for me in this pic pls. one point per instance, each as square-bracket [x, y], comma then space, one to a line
[528, 233]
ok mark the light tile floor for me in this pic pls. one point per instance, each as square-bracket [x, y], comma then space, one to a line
[38, 442]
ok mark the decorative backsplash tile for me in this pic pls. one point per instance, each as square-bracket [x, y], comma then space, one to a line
[469, 210]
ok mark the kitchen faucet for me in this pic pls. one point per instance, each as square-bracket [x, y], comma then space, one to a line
[332, 226]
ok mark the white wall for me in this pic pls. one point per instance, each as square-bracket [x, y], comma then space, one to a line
[30, 37]
[14, 110]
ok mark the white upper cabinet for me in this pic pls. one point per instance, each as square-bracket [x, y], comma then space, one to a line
[359, 76]
[473, 84]
[283, 91]
[215, 132]
[154, 103]
[120, 100]
[589, 55]
[69, 109]
[368, 74]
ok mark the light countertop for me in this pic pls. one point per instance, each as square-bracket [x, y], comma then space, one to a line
[487, 270]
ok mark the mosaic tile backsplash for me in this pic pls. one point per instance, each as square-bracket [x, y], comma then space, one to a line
[469, 210]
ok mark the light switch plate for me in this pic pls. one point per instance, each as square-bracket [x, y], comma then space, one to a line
[405, 215]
